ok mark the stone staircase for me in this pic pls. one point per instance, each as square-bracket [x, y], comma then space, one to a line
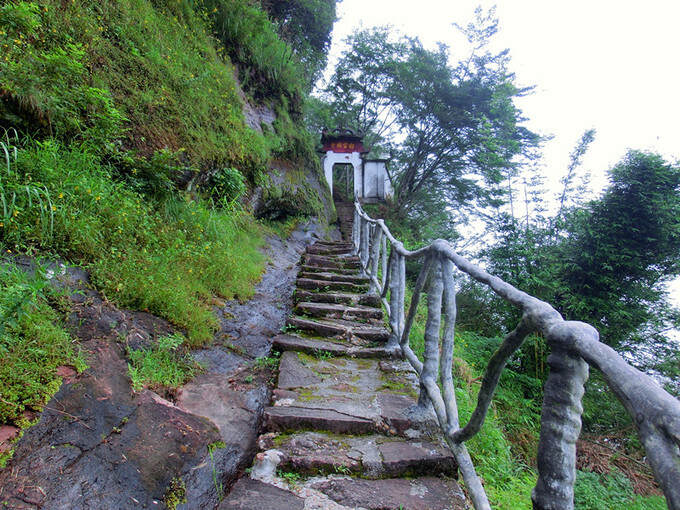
[344, 430]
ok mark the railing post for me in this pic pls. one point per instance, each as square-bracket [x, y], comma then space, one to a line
[401, 266]
[363, 249]
[428, 376]
[393, 341]
[374, 259]
[383, 262]
[356, 231]
[560, 428]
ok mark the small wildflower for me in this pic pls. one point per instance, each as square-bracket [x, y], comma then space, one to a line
[98, 197]
[16, 213]
[54, 208]
[61, 195]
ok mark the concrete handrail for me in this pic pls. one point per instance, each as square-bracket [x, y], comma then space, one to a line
[574, 347]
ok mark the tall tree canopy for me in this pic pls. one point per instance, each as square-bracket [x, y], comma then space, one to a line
[607, 261]
[306, 25]
[454, 131]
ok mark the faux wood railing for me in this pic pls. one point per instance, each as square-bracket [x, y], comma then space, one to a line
[574, 347]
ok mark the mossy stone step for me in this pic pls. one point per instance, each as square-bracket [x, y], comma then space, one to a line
[335, 262]
[330, 250]
[339, 328]
[326, 285]
[337, 297]
[347, 395]
[322, 269]
[322, 347]
[423, 493]
[370, 456]
[334, 277]
[337, 311]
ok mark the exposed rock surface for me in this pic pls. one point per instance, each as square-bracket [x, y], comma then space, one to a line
[98, 445]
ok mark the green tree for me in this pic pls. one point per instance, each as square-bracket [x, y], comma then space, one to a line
[605, 262]
[306, 25]
[454, 132]
[622, 249]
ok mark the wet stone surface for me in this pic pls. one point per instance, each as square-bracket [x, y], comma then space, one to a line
[98, 445]
[427, 493]
[345, 389]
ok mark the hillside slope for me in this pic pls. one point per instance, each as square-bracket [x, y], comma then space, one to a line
[144, 141]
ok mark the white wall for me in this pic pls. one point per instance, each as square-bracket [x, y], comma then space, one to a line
[331, 158]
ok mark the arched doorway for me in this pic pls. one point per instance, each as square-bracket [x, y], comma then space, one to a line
[343, 182]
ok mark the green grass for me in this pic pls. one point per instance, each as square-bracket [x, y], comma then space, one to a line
[32, 344]
[167, 256]
[162, 366]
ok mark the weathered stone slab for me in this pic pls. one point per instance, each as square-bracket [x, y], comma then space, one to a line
[380, 396]
[320, 269]
[370, 456]
[295, 418]
[335, 277]
[338, 311]
[317, 249]
[340, 328]
[326, 261]
[249, 494]
[293, 374]
[338, 297]
[426, 493]
[326, 285]
[317, 346]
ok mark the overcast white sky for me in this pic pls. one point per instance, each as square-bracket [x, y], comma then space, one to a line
[603, 64]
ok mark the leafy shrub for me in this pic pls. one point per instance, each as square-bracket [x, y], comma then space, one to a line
[162, 366]
[32, 343]
[167, 257]
[228, 186]
[266, 64]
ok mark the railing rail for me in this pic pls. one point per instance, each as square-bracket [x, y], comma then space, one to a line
[574, 347]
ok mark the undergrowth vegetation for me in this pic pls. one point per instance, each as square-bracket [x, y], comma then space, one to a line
[165, 256]
[504, 451]
[125, 150]
[162, 366]
[32, 343]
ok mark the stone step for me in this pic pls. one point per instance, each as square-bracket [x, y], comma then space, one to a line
[321, 269]
[423, 493]
[317, 249]
[336, 311]
[320, 347]
[370, 456]
[334, 277]
[326, 285]
[337, 297]
[337, 262]
[339, 328]
[248, 494]
[348, 396]
[343, 492]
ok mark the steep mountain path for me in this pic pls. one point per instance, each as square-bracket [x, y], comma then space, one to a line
[344, 430]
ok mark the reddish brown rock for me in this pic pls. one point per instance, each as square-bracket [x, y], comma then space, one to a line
[427, 493]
